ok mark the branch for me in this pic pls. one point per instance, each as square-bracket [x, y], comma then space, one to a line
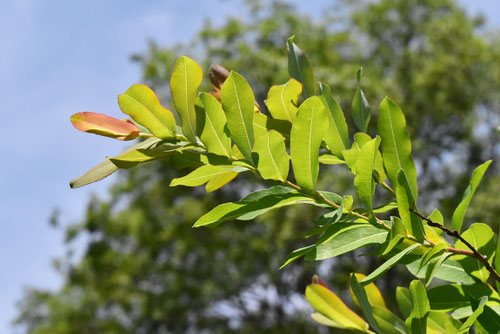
[455, 234]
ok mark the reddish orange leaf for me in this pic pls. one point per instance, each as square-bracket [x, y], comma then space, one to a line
[104, 125]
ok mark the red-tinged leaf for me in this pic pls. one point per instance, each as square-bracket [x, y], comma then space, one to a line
[104, 125]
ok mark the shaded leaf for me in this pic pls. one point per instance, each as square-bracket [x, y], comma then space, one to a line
[296, 254]
[477, 312]
[307, 133]
[360, 107]
[459, 213]
[142, 104]
[372, 293]
[238, 103]
[299, 68]
[406, 201]
[404, 301]
[433, 267]
[388, 322]
[417, 321]
[397, 233]
[362, 299]
[450, 270]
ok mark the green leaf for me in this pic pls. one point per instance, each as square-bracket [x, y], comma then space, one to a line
[331, 217]
[142, 104]
[362, 299]
[489, 319]
[273, 161]
[184, 83]
[238, 103]
[481, 237]
[404, 301]
[330, 159]
[296, 254]
[282, 100]
[477, 312]
[360, 108]
[388, 264]
[417, 321]
[434, 265]
[372, 293]
[321, 319]
[299, 68]
[107, 167]
[439, 322]
[459, 213]
[450, 270]
[396, 145]
[307, 133]
[351, 156]
[220, 180]
[447, 297]
[388, 322]
[328, 304]
[104, 125]
[346, 240]
[497, 260]
[202, 175]
[214, 134]
[397, 233]
[406, 201]
[337, 135]
[364, 170]
[253, 205]
[433, 252]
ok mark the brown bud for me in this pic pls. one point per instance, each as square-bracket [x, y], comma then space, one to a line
[217, 74]
[317, 280]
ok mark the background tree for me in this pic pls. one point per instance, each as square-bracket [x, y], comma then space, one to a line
[145, 270]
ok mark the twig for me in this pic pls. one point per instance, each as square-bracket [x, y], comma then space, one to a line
[455, 234]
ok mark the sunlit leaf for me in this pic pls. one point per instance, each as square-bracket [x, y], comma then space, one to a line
[450, 270]
[328, 304]
[404, 301]
[330, 159]
[388, 322]
[397, 233]
[307, 133]
[337, 136]
[297, 254]
[238, 103]
[396, 145]
[406, 201]
[364, 170]
[142, 104]
[184, 82]
[417, 321]
[282, 100]
[202, 175]
[433, 267]
[359, 292]
[442, 323]
[300, 69]
[372, 293]
[459, 213]
[214, 134]
[104, 125]
[220, 180]
[273, 160]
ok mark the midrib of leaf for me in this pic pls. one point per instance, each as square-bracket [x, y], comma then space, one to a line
[241, 113]
[152, 113]
[337, 132]
[271, 155]
[309, 146]
[217, 135]
[187, 102]
[284, 104]
[393, 137]
[204, 176]
[438, 325]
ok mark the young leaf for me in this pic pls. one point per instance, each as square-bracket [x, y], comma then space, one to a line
[360, 108]
[434, 265]
[417, 321]
[397, 233]
[351, 157]
[238, 103]
[106, 167]
[459, 213]
[214, 134]
[252, 206]
[307, 133]
[104, 125]
[406, 201]
[337, 136]
[481, 237]
[329, 305]
[282, 100]
[299, 68]
[361, 297]
[388, 264]
[274, 162]
[142, 104]
[477, 312]
[201, 175]
[364, 170]
[184, 83]
[347, 239]
[433, 252]
[396, 145]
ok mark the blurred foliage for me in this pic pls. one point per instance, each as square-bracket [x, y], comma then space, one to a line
[144, 270]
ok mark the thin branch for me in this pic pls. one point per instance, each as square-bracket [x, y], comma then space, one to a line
[455, 234]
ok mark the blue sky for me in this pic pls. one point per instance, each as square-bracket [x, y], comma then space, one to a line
[58, 58]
